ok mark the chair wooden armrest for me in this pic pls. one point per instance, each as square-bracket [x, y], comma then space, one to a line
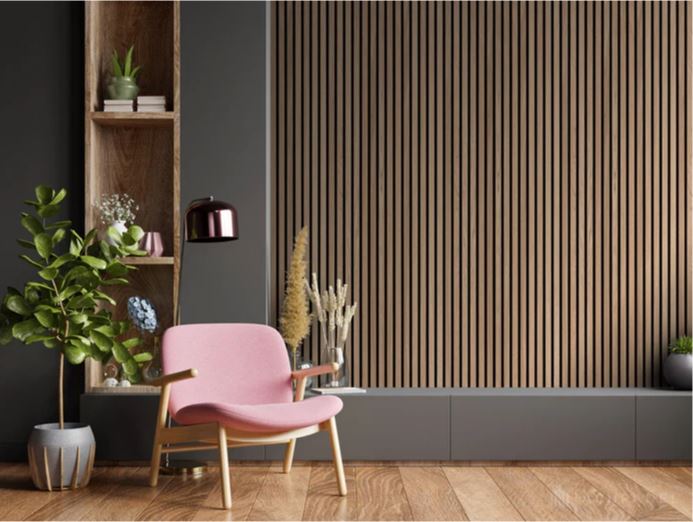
[173, 377]
[300, 377]
[315, 370]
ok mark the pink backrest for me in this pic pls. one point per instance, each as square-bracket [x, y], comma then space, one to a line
[236, 363]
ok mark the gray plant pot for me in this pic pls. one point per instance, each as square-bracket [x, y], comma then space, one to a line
[678, 370]
[61, 459]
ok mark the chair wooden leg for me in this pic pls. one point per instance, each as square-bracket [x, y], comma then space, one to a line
[155, 463]
[224, 467]
[289, 455]
[337, 457]
[160, 424]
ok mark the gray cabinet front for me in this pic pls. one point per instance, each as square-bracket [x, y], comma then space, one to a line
[534, 427]
[383, 427]
[664, 427]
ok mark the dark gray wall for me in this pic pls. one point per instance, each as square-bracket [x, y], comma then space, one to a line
[41, 131]
[223, 154]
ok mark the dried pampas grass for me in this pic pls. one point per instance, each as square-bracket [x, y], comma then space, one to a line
[295, 319]
[331, 311]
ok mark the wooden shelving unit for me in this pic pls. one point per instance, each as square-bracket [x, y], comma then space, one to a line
[137, 153]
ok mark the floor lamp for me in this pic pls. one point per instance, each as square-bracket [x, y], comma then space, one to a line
[206, 220]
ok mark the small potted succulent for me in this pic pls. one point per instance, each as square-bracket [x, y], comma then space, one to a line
[63, 309]
[678, 366]
[123, 84]
[117, 211]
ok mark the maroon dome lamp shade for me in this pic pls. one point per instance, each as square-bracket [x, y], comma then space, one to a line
[207, 220]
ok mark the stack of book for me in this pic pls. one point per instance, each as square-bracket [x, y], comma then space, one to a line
[117, 106]
[151, 104]
[335, 390]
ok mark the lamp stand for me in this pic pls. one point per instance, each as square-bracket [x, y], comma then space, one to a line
[206, 220]
[182, 467]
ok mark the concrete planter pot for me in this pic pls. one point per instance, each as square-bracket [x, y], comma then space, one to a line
[61, 459]
[678, 370]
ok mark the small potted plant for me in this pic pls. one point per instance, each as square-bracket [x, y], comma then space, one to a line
[63, 310]
[678, 366]
[123, 84]
[117, 211]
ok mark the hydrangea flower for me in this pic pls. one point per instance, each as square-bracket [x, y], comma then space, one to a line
[142, 314]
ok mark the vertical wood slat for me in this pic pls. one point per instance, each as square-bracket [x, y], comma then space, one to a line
[506, 217]
[599, 296]
[472, 197]
[505, 187]
[540, 297]
[555, 195]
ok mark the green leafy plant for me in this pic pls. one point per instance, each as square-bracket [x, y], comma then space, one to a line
[64, 308]
[125, 68]
[683, 345]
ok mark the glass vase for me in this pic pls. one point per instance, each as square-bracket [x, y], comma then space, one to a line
[299, 363]
[340, 378]
[152, 369]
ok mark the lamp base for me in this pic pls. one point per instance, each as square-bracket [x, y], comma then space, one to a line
[186, 468]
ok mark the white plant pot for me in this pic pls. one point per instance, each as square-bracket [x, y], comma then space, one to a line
[120, 226]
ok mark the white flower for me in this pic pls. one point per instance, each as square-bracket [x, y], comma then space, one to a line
[117, 207]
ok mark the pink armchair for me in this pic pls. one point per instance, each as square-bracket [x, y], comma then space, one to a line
[229, 385]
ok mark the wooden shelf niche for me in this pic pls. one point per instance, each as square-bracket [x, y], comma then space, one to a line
[136, 153]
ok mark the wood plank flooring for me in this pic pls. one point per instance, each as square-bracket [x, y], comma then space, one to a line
[377, 491]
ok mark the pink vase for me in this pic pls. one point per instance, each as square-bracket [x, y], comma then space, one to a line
[152, 244]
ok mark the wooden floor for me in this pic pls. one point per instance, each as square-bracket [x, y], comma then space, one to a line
[376, 492]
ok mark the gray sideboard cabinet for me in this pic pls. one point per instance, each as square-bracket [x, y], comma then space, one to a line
[598, 424]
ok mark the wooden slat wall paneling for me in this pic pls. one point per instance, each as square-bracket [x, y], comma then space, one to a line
[505, 186]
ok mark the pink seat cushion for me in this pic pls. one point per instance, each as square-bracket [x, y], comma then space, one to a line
[262, 418]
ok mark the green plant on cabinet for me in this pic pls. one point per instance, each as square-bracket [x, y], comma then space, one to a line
[682, 345]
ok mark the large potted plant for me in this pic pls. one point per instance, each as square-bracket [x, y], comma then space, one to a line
[678, 366]
[63, 309]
